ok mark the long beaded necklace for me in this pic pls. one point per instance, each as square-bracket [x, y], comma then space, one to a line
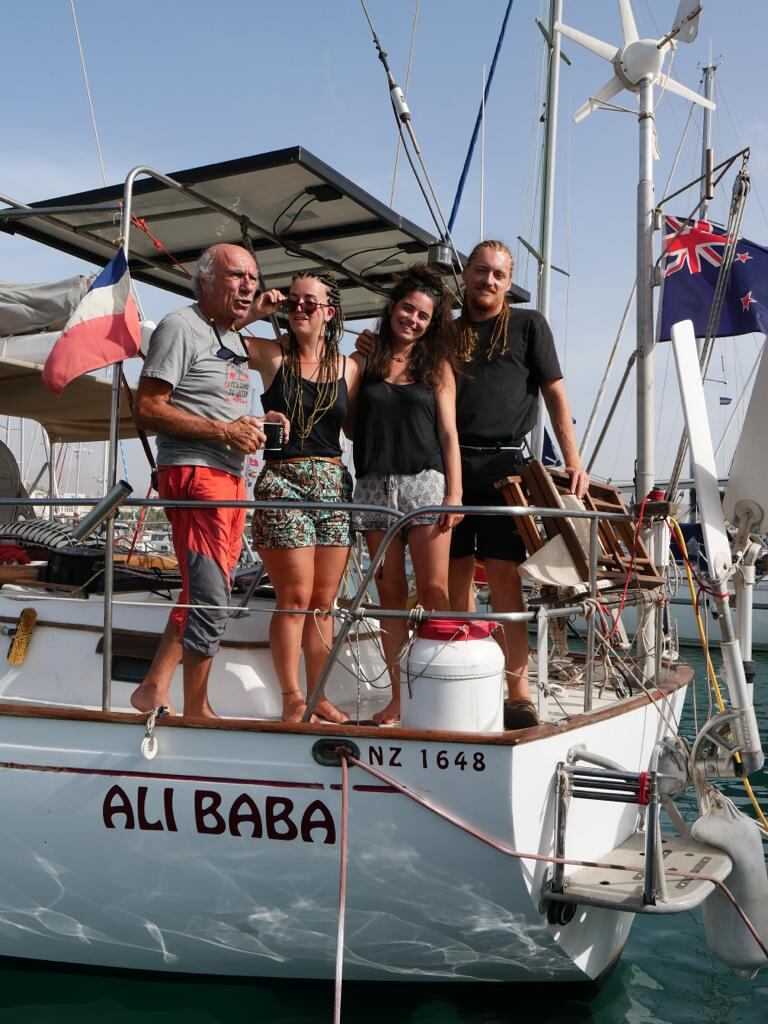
[327, 391]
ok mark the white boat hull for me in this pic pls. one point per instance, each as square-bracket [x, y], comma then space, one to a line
[221, 855]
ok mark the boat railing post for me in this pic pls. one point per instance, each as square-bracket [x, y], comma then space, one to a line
[354, 607]
[351, 613]
[589, 667]
[542, 660]
[109, 483]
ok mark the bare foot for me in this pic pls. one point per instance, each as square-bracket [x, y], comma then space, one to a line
[294, 707]
[147, 697]
[328, 712]
[205, 713]
[390, 715]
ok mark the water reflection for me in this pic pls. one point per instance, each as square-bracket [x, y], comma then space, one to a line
[667, 974]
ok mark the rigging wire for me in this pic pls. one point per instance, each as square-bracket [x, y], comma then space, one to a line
[479, 119]
[630, 300]
[737, 134]
[88, 92]
[94, 125]
[403, 117]
[568, 225]
[741, 188]
[533, 177]
[405, 93]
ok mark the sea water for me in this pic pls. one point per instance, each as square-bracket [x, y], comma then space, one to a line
[666, 976]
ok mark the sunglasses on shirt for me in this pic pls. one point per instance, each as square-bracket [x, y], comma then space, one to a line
[310, 305]
[224, 352]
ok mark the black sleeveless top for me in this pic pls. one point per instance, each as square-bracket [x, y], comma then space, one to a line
[396, 429]
[323, 440]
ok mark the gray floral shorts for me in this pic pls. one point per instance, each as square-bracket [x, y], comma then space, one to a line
[403, 492]
[304, 480]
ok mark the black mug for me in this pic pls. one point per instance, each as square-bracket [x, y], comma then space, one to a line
[274, 432]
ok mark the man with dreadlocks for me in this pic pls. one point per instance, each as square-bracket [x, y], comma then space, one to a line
[305, 552]
[508, 357]
[194, 393]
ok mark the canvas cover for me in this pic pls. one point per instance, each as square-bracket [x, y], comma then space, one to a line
[80, 414]
[27, 308]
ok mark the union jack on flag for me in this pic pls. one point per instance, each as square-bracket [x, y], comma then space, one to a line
[693, 254]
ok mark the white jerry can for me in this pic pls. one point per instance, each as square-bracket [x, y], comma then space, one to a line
[724, 826]
[453, 678]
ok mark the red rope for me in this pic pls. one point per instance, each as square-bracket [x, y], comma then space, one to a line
[139, 222]
[137, 531]
[619, 610]
[342, 886]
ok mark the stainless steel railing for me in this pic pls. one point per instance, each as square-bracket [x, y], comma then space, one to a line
[355, 610]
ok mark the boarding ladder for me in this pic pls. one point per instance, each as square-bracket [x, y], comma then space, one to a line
[650, 890]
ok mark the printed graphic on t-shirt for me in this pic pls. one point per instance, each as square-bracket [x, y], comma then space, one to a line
[236, 384]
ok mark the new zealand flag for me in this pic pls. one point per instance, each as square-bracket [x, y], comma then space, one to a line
[691, 265]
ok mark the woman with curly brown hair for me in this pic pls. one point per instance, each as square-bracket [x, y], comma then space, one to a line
[406, 451]
[305, 552]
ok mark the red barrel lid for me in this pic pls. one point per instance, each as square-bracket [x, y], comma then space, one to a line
[455, 629]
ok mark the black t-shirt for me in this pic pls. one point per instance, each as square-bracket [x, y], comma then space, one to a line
[497, 400]
[396, 429]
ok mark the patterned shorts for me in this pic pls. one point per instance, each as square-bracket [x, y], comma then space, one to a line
[403, 492]
[306, 480]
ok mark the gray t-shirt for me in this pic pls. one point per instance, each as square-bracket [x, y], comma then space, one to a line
[182, 352]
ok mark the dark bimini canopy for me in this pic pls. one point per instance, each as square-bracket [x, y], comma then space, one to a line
[302, 215]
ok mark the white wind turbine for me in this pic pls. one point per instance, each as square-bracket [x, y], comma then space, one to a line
[639, 59]
[637, 67]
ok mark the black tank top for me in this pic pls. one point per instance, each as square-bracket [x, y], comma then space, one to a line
[396, 429]
[323, 439]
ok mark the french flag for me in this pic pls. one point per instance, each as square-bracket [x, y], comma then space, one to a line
[104, 329]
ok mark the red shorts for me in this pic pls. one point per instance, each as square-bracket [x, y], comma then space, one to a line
[207, 542]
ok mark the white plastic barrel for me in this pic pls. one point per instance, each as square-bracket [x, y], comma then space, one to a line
[453, 678]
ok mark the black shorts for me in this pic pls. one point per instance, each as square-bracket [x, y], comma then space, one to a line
[487, 536]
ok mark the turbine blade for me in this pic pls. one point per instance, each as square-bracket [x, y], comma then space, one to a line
[604, 50]
[628, 26]
[682, 90]
[687, 20]
[602, 95]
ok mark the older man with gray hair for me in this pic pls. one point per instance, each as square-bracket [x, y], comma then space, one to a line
[194, 394]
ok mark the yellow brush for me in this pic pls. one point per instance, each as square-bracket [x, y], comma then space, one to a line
[17, 652]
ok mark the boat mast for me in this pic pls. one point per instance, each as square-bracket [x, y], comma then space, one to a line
[645, 342]
[548, 193]
[706, 136]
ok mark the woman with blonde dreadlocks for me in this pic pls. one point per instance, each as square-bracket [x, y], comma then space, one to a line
[305, 553]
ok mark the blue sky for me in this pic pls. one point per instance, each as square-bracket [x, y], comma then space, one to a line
[177, 84]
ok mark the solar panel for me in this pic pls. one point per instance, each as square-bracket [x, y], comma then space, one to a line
[297, 212]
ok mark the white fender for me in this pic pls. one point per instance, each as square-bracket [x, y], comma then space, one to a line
[725, 827]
